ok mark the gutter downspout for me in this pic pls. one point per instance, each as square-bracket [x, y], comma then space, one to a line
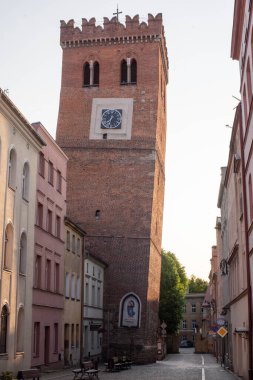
[250, 370]
[82, 301]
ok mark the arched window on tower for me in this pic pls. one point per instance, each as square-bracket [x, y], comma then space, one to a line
[123, 79]
[96, 74]
[86, 74]
[128, 74]
[20, 330]
[22, 254]
[25, 184]
[8, 247]
[4, 330]
[12, 169]
[133, 71]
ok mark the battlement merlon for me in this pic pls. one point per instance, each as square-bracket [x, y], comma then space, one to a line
[114, 32]
[112, 28]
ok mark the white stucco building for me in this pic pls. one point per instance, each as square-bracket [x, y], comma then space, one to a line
[93, 307]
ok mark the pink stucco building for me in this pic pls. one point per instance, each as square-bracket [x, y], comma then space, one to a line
[48, 284]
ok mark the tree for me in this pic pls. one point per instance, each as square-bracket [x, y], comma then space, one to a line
[197, 285]
[172, 291]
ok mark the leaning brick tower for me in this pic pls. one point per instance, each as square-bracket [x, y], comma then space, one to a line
[112, 126]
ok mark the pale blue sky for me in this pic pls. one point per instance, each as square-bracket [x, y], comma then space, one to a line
[203, 79]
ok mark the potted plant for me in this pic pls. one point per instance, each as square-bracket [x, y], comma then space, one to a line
[6, 375]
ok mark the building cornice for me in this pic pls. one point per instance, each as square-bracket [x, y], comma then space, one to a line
[236, 43]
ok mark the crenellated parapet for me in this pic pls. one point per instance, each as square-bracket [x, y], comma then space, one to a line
[112, 28]
[114, 32]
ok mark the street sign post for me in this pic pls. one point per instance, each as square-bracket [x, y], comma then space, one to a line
[222, 331]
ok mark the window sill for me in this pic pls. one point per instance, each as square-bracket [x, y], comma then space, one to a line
[128, 83]
[4, 356]
[7, 270]
[20, 353]
[90, 85]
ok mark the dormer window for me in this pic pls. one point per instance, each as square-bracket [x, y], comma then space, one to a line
[128, 71]
[91, 74]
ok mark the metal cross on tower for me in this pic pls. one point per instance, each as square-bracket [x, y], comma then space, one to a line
[117, 13]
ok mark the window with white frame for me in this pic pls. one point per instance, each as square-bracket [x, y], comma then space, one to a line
[22, 253]
[193, 307]
[25, 182]
[67, 285]
[73, 293]
[194, 323]
[78, 289]
[12, 169]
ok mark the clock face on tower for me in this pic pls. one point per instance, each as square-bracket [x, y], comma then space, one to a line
[111, 118]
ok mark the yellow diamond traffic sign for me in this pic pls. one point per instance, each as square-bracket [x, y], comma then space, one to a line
[222, 331]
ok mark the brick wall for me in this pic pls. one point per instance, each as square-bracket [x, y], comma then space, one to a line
[123, 179]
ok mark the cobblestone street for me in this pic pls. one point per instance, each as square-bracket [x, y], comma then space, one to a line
[184, 366]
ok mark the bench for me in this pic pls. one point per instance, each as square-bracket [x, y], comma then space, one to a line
[29, 374]
[114, 364]
[86, 372]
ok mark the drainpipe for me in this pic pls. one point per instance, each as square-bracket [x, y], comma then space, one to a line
[82, 300]
[250, 370]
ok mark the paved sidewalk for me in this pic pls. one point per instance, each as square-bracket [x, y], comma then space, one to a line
[183, 366]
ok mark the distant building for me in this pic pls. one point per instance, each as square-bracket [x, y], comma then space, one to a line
[93, 320]
[73, 272]
[192, 316]
[19, 148]
[48, 276]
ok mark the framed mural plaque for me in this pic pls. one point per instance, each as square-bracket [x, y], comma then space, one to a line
[130, 311]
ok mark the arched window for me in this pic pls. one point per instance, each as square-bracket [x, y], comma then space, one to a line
[133, 71]
[128, 71]
[25, 182]
[245, 106]
[20, 330]
[86, 74]
[4, 330]
[12, 169]
[123, 79]
[250, 199]
[96, 74]
[249, 85]
[8, 247]
[22, 253]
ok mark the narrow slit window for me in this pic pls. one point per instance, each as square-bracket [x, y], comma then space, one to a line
[123, 72]
[97, 214]
[96, 74]
[133, 71]
[86, 74]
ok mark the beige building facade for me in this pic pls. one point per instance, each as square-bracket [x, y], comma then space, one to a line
[192, 316]
[73, 265]
[19, 147]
